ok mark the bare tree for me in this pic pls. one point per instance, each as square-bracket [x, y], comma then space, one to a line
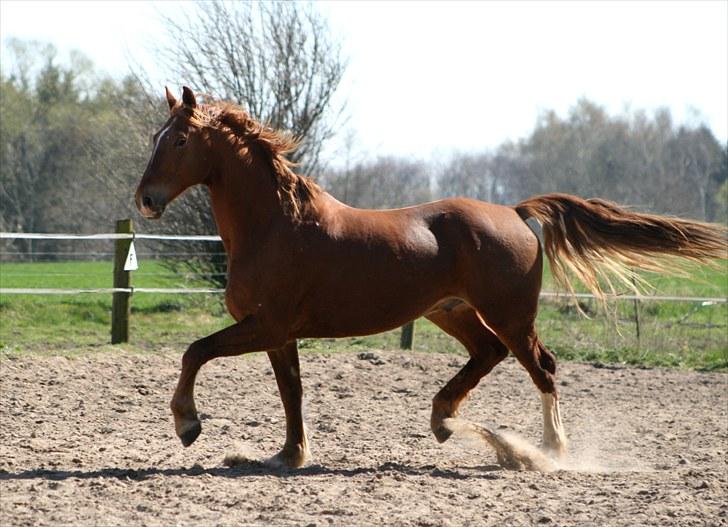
[276, 59]
[472, 176]
[632, 159]
[382, 183]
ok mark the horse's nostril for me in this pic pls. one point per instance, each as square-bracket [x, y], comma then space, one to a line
[147, 202]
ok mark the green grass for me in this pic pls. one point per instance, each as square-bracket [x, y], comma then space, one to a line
[674, 334]
[54, 322]
[671, 334]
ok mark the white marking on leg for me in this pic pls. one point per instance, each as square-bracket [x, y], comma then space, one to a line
[554, 438]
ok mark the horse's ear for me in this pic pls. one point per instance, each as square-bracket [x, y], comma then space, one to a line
[170, 98]
[188, 97]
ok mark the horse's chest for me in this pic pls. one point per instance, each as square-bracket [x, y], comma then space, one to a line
[241, 297]
[251, 290]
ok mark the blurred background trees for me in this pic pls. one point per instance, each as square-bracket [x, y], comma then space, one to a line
[384, 182]
[56, 172]
[277, 60]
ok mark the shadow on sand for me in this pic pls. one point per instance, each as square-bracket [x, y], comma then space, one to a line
[252, 468]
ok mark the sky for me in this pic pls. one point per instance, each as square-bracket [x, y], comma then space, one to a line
[426, 79]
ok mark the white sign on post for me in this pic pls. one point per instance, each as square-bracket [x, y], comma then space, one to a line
[131, 263]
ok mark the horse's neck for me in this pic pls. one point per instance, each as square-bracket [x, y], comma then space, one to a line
[244, 202]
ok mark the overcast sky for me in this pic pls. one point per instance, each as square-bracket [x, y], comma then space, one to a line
[426, 79]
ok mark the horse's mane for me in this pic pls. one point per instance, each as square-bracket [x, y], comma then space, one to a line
[294, 191]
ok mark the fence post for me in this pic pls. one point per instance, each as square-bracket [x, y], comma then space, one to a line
[636, 306]
[407, 337]
[121, 306]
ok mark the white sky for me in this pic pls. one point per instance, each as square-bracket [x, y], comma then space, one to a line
[426, 79]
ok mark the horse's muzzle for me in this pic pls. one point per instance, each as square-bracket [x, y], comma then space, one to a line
[150, 206]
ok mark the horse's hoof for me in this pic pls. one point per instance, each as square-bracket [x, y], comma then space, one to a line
[289, 458]
[554, 452]
[554, 448]
[442, 433]
[190, 433]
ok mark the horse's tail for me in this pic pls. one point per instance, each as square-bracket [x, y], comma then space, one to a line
[598, 240]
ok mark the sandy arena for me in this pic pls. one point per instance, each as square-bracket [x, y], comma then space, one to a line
[90, 441]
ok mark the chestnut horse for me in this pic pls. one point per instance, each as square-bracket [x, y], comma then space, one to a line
[303, 265]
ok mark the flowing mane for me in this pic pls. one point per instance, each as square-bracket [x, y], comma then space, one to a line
[294, 191]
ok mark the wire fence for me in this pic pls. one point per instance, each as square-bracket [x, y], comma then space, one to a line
[108, 236]
[125, 290]
[214, 238]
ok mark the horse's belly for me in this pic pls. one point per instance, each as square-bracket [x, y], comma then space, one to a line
[369, 308]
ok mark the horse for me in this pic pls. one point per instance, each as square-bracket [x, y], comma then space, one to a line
[303, 265]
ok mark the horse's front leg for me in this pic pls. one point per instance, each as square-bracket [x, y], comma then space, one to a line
[288, 376]
[244, 337]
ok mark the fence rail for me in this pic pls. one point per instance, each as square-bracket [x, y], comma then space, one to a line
[123, 291]
[106, 290]
[108, 236]
[706, 300]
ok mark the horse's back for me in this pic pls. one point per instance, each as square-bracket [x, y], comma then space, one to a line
[459, 235]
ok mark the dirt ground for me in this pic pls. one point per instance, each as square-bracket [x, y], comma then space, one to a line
[90, 441]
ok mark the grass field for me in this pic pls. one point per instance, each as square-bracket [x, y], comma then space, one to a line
[671, 333]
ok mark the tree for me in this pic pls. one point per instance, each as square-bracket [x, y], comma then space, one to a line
[70, 152]
[386, 182]
[40, 139]
[720, 202]
[276, 59]
[472, 176]
[630, 159]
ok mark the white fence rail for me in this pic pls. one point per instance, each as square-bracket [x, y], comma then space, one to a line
[108, 236]
[106, 290]
[125, 291]
[203, 290]
[215, 238]
[122, 290]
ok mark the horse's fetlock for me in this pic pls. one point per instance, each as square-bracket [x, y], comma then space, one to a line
[183, 407]
[293, 455]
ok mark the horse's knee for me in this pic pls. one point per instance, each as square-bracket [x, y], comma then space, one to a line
[192, 357]
[541, 368]
[537, 359]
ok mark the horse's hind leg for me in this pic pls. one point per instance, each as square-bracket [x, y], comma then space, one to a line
[485, 349]
[286, 368]
[541, 366]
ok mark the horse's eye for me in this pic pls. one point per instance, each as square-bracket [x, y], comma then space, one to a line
[181, 140]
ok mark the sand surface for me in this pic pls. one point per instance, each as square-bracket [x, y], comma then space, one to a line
[90, 441]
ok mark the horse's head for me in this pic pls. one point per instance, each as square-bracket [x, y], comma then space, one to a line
[180, 158]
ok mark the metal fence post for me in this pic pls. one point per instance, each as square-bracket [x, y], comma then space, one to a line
[407, 337]
[121, 305]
